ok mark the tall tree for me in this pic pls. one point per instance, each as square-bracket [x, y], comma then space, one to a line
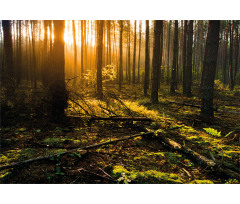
[225, 54]
[82, 46]
[209, 69]
[147, 60]
[19, 53]
[236, 50]
[168, 48]
[58, 86]
[120, 57]
[134, 52]
[174, 66]
[99, 58]
[75, 53]
[156, 61]
[8, 48]
[184, 56]
[129, 49]
[188, 72]
[231, 26]
[139, 53]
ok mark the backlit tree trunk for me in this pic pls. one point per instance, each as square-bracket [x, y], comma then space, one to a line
[209, 69]
[156, 61]
[147, 60]
[120, 58]
[139, 53]
[134, 52]
[175, 49]
[99, 58]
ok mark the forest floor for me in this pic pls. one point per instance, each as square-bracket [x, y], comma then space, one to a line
[136, 160]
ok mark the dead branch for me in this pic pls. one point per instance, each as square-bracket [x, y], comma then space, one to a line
[115, 118]
[70, 151]
[202, 160]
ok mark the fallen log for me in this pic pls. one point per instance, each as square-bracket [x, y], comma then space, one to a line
[70, 151]
[115, 118]
[188, 104]
[202, 160]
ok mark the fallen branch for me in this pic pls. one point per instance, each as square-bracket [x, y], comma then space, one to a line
[70, 151]
[115, 118]
[202, 160]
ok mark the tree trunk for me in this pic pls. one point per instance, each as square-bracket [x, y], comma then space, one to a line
[82, 46]
[225, 55]
[175, 49]
[231, 26]
[134, 52]
[184, 56]
[129, 49]
[236, 50]
[156, 61]
[99, 58]
[147, 60]
[189, 59]
[168, 42]
[75, 53]
[209, 69]
[58, 87]
[139, 53]
[120, 58]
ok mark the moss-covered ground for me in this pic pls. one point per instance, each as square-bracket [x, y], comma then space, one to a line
[138, 160]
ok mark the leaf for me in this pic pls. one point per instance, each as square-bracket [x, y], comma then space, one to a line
[38, 130]
[212, 132]
[22, 129]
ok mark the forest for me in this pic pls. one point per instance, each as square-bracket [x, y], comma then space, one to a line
[120, 102]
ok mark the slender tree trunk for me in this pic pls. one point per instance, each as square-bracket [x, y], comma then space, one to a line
[156, 61]
[34, 54]
[161, 55]
[129, 49]
[139, 53]
[75, 53]
[225, 55]
[184, 56]
[134, 52]
[147, 60]
[120, 57]
[168, 42]
[236, 50]
[189, 59]
[231, 26]
[209, 69]
[175, 49]
[99, 59]
[82, 46]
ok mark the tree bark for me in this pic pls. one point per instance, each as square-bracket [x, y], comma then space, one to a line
[189, 59]
[156, 61]
[134, 52]
[184, 56]
[209, 69]
[231, 26]
[99, 58]
[174, 66]
[139, 53]
[120, 58]
[147, 60]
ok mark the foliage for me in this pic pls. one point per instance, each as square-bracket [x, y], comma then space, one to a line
[212, 132]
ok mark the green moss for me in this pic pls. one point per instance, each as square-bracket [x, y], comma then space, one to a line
[172, 157]
[201, 182]
[150, 176]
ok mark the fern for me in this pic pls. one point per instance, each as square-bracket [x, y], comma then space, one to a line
[212, 132]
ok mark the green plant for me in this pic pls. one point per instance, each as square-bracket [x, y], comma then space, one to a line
[212, 132]
[124, 178]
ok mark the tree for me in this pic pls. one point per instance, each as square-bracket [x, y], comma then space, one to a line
[82, 46]
[209, 69]
[188, 71]
[129, 49]
[134, 52]
[168, 50]
[99, 58]
[120, 57]
[8, 48]
[236, 50]
[231, 26]
[174, 66]
[156, 60]
[58, 86]
[139, 53]
[75, 52]
[225, 54]
[147, 60]
[184, 56]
